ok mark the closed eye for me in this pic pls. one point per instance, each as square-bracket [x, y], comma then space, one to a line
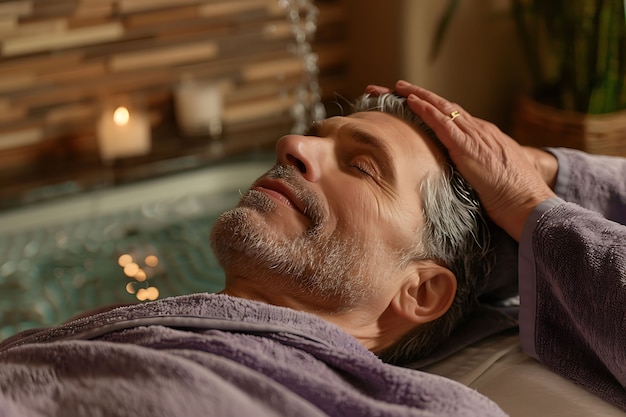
[363, 168]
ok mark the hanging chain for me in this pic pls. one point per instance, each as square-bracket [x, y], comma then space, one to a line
[303, 14]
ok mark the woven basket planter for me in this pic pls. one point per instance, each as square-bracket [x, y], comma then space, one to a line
[539, 125]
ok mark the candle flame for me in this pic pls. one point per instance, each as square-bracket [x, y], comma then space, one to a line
[121, 116]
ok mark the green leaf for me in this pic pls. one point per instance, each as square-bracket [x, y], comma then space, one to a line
[442, 28]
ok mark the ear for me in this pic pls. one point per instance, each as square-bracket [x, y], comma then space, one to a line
[426, 294]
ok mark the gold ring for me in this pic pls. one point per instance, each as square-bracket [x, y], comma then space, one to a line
[454, 115]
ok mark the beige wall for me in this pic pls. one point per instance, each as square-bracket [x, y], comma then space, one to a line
[375, 29]
[479, 66]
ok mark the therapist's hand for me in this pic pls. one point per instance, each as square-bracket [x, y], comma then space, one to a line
[544, 162]
[506, 177]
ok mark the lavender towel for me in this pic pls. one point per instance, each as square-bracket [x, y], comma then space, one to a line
[214, 355]
[573, 276]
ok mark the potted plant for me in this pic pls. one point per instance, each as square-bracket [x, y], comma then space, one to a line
[576, 55]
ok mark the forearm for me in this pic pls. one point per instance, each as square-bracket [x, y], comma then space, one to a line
[595, 182]
[572, 274]
[572, 277]
[527, 275]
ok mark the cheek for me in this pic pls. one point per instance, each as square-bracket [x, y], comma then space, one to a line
[403, 237]
[383, 225]
[364, 215]
[357, 211]
[399, 224]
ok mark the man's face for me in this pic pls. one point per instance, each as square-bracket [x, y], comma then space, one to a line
[336, 218]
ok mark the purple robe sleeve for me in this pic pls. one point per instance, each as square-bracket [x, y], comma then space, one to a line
[572, 275]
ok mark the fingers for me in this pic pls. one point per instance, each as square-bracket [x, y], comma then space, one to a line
[447, 129]
[447, 108]
[427, 111]
[405, 89]
[449, 120]
[376, 90]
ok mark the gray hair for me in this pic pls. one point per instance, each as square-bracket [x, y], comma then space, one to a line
[455, 234]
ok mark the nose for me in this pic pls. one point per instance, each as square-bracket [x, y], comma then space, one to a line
[304, 152]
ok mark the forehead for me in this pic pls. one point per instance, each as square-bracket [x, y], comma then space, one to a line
[398, 135]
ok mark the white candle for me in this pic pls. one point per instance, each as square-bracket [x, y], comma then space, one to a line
[123, 132]
[199, 108]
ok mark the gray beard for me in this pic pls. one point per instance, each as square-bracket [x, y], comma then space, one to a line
[330, 268]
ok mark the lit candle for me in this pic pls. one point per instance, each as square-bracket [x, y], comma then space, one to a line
[199, 107]
[122, 132]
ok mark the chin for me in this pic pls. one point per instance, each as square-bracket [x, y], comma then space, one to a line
[232, 229]
[329, 269]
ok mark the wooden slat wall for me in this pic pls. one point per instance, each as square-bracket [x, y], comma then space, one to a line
[59, 59]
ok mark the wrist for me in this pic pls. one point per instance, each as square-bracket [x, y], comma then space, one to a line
[549, 168]
[514, 217]
[545, 163]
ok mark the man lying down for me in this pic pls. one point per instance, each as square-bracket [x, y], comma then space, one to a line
[327, 259]
[362, 243]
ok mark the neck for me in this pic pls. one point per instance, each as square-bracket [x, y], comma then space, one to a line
[376, 332]
[376, 327]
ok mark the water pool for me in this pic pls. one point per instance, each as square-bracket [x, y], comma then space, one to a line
[129, 244]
